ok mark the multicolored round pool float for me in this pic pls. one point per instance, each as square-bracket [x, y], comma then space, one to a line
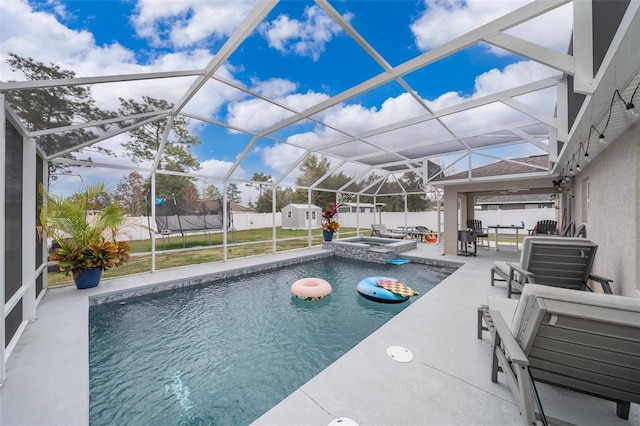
[385, 290]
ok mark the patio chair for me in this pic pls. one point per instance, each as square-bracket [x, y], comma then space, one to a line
[568, 230]
[380, 230]
[581, 231]
[481, 233]
[585, 342]
[546, 227]
[555, 261]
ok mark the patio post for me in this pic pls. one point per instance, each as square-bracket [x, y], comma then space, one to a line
[152, 201]
[28, 229]
[274, 188]
[3, 171]
[307, 216]
[225, 221]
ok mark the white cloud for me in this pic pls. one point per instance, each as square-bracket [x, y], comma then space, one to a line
[494, 81]
[184, 23]
[444, 20]
[281, 156]
[511, 76]
[39, 35]
[357, 118]
[256, 114]
[306, 37]
[218, 168]
[274, 87]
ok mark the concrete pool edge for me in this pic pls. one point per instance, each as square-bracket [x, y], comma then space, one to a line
[193, 280]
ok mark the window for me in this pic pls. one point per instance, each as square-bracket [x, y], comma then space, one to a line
[306, 215]
[493, 207]
[289, 214]
[313, 215]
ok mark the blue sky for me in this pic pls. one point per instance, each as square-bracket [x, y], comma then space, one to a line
[297, 56]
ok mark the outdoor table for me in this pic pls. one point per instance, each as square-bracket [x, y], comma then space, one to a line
[406, 230]
[498, 227]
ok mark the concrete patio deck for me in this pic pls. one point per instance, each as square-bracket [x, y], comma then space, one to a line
[447, 382]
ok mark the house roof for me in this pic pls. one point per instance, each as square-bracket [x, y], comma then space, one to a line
[237, 207]
[511, 166]
[302, 206]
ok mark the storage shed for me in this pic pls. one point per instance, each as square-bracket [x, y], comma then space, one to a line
[298, 216]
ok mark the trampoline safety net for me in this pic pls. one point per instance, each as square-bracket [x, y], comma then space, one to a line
[183, 216]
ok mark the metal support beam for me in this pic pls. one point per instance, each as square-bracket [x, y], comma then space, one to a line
[29, 209]
[583, 81]
[3, 175]
[532, 51]
[274, 246]
[153, 218]
[225, 221]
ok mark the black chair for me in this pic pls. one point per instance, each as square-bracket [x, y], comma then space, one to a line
[481, 233]
[546, 227]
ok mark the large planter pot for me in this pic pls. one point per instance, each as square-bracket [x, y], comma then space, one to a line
[328, 235]
[88, 278]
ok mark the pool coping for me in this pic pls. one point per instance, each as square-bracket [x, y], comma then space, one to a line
[153, 288]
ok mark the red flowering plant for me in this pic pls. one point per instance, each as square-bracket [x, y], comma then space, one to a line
[329, 218]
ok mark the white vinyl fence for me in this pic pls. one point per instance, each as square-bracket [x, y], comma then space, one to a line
[139, 229]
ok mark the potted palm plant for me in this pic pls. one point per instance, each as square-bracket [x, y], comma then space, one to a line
[85, 236]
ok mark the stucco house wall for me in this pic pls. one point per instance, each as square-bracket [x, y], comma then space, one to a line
[610, 207]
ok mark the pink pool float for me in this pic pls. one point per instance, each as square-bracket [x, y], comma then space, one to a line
[311, 289]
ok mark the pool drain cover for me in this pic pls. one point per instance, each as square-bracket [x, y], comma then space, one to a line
[400, 354]
[343, 421]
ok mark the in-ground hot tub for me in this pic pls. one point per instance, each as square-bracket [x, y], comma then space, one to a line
[370, 249]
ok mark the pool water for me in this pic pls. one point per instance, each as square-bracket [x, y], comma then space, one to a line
[227, 352]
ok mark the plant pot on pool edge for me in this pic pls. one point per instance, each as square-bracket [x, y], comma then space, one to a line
[78, 227]
[329, 221]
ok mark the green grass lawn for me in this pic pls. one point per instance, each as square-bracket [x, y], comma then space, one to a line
[205, 248]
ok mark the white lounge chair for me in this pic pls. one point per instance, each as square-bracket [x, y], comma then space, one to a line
[586, 342]
[380, 230]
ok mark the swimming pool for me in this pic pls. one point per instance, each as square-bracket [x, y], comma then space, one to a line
[226, 353]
